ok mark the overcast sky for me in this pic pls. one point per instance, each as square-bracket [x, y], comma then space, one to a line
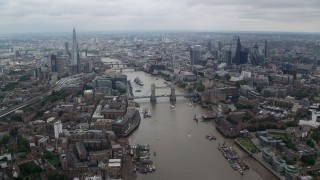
[111, 15]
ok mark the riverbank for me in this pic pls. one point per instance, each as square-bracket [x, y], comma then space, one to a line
[254, 163]
[258, 161]
[132, 128]
[127, 173]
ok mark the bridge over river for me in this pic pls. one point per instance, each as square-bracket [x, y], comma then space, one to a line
[172, 96]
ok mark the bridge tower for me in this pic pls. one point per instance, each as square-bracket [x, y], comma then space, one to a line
[153, 97]
[173, 94]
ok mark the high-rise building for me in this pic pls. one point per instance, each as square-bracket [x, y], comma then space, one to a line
[265, 48]
[66, 47]
[255, 56]
[227, 58]
[219, 46]
[235, 50]
[209, 46]
[57, 129]
[88, 66]
[195, 54]
[61, 64]
[53, 59]
[244, 56]
[75, 59]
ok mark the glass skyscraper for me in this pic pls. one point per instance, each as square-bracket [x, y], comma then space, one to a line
[235, 50]
[75, 59]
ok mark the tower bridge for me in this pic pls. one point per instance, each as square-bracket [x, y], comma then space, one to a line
[117, 64]
[153, 97]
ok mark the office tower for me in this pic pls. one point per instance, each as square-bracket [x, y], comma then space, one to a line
[53, 59]
[57, 129]
[195, 54]
[61, 63]
[88, 66]
[244, 56]
[265, 49]
[228, 58]
[75, 59]
[66, 47]
[17, 53]
[209, 46]
[219, 46]
[235, 50]
[255, 56]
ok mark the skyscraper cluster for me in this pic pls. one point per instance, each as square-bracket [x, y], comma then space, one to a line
[238, 54]
[59, 60]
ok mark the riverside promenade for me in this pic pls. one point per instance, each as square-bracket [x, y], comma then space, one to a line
[261, 161]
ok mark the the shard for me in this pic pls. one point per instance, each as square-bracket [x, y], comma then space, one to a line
[75, 59]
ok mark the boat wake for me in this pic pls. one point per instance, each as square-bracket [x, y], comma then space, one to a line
[189, 135]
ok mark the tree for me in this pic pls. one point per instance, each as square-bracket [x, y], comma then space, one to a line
[227, 76]
[300, 94]
[14, 132]
[200, 87]
[310, 143]
[16, 117]
[23, 144]
[243, 106]
[289, 143]
[5, 139]
[24, 78]
[39, 114]
[30, 170]
[259, 89]
[52, 158]
[239, 83]
[9, 87]
[216, 76]
[57, 176]
[315, 135]
[57, 95]
[190, 89]
[87, 87]
[309, 159]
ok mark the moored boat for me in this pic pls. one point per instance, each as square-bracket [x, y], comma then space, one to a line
[210, 137]
[138, 81]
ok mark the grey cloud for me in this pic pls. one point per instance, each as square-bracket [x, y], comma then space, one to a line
[43, 15]
[274, 4]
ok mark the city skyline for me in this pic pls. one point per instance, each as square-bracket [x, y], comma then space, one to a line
[150, 15]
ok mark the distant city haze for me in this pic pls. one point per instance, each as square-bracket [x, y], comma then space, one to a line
[23, 16]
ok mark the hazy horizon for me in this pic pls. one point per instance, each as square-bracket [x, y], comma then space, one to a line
[26, 16]
[153, 31]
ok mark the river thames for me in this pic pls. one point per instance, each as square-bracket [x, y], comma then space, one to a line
[182, 151]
